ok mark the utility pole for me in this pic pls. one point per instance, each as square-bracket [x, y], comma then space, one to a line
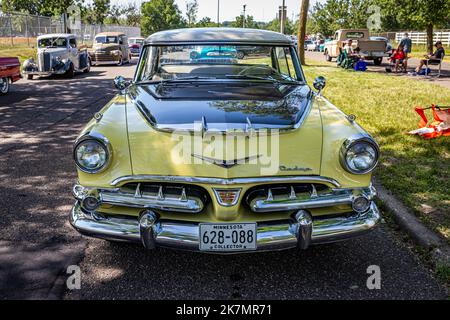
[302, 30]
[243, 20]
[218, 13]
[282, 17]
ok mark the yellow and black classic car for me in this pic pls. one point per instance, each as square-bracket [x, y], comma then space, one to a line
[223, 154]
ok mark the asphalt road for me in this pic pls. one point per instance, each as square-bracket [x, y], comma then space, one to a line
[40, 119]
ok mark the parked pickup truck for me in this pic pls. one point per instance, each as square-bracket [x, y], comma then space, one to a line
[370, 49]
[9, 73]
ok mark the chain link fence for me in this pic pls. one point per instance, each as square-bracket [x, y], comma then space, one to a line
[23, 29]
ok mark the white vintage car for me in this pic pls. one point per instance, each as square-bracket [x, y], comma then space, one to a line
[57, 54]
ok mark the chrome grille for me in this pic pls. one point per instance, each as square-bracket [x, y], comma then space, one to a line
[178, 198]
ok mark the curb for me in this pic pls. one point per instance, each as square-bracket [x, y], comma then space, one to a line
[412, 225]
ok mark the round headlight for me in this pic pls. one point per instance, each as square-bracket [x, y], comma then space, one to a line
[91, 156]
[359, 156]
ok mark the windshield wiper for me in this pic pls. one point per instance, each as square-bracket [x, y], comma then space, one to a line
[189, 78]
[250, 77]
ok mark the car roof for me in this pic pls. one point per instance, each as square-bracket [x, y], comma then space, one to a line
[110, 34]
[218, 35]
[55, 35]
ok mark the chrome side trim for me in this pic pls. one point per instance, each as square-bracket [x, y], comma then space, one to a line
[277, 235]
[223, 181]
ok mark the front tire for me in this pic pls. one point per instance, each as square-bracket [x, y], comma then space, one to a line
[327, 57]
[120, 62]
[88, 67]
[240, 55]
[378, 61]
[70, 72]
[4, 86]
[29, 77]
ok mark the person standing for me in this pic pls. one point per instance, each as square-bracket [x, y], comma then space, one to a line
[406, 43]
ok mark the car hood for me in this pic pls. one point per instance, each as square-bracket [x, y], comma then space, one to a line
[105, 46]
[222, 107]
[53, 51]
[155, 150]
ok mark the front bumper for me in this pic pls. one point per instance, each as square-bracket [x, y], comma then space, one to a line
[44, 73]
[300, 231]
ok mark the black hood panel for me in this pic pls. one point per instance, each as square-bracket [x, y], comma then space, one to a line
[222, 103]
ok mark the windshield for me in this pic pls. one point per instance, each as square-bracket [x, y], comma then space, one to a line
[106, 39]
[136, 41]
[187, 62]
[52, 42]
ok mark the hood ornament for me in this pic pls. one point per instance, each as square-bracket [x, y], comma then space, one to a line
[227, 164]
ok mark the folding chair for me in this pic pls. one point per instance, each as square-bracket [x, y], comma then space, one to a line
[439, 66]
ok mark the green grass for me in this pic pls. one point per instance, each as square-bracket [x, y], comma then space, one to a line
[414, 169]
[22, 51]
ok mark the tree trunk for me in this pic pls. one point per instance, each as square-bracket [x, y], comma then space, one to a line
[430, 38]
[302, 30]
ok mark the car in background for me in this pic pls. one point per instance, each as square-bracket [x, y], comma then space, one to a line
[9, 73]
[214, 54]
[60, 54]
[323, 44]
[110, 48]
[308, 44]
[370, 49]
[294, 40]
[389, 46]
[245, 51]
[313, 46]
[135, 45]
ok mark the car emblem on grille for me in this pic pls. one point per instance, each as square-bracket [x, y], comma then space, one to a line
[227, 197]
[227, 164]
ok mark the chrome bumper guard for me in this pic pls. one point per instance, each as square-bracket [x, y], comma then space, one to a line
[301, 231]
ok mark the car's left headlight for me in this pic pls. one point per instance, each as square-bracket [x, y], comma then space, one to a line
[92, 155]
[359, 154]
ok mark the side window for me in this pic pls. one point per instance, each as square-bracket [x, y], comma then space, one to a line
[120, 40]
[285, 63]
[73, 42]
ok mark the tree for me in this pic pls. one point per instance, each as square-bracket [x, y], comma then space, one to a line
[302, 29]
[249, 22]
[100, 10]
[115, 15]
[206, 22]
[132, 15]
[191, 12]
[420, 14]
[275, 25]
[160, 15]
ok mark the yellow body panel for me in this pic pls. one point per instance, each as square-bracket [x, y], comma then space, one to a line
[139, 149]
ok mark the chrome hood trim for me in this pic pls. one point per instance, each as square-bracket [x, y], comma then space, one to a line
[222, 181]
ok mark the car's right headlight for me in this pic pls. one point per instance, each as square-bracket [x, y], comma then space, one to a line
[359, 154]
[92, 155]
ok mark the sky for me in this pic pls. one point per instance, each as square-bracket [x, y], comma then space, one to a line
[261, 10]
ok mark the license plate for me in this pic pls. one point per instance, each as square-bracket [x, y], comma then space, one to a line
[227, 236]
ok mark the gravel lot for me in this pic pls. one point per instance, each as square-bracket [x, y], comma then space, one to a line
[39, 121]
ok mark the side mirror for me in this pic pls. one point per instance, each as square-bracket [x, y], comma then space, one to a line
[319, 83]
[121, 83]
